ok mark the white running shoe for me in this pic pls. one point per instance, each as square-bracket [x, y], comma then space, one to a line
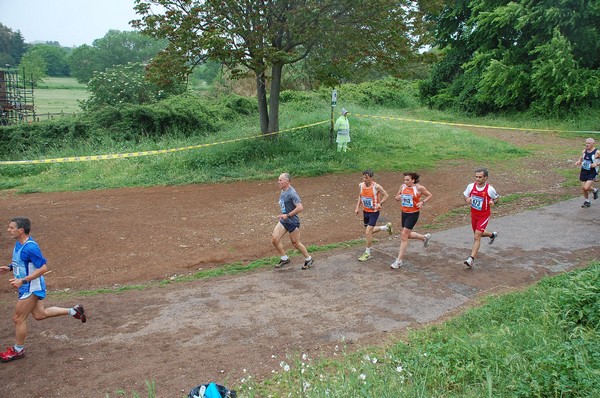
[396, 264]
[426, 241]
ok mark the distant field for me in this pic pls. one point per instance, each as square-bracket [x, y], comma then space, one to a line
[58, 94]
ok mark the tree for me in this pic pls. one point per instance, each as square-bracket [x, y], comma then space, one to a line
[115, 48]
[12, 46]
[55, 58]
[261, 37]
[34, 67]
[499, 52]
[83, 61]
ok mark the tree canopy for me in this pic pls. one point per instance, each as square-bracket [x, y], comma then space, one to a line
[12, 46]
[55, 57]
[34, 67]
[115, 48]
[261, 37]
[516, 55]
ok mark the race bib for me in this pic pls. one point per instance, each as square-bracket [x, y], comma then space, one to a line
[586, 164]
[282, 205]
[407, 201]
[367, 202]
[477, 202]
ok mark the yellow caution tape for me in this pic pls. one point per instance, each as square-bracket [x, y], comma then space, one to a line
[149, 153]
[191, 147]
[476, 125]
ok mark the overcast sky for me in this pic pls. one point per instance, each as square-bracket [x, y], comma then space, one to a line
[69, 22]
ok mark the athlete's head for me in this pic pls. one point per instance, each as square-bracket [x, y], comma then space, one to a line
[482, 170]
[589, 143]
[284, 180]
[414, 177]
[368, 177]
[22, 222]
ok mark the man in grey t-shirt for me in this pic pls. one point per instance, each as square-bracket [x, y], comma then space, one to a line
[289, 222]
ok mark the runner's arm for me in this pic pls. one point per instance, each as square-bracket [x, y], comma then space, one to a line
[358, 204]
[384, 194]
[424, 192]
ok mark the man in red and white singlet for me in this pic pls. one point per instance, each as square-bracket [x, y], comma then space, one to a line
[481, 196]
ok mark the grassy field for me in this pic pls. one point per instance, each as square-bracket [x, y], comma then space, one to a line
[304, 152]
[58, 95]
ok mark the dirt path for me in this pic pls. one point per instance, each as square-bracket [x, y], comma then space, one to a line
[187, 333]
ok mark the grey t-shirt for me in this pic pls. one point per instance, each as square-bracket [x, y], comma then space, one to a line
[288, 201]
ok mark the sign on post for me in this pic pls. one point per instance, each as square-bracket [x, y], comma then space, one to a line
[333, 97]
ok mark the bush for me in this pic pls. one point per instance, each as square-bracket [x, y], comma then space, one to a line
[388, 92]
[123, 84]
[186, 115]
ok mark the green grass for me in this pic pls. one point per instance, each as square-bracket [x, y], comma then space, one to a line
[376, 143]
[585, 120]
[58, 94]
[62, 83]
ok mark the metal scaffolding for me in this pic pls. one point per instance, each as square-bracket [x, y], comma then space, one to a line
[16, 97]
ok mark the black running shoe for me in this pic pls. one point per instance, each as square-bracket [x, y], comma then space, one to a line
[493, 237]
[308, 264]
[281, 263]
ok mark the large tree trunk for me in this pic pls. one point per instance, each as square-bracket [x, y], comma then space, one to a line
[274, 98]
[261, 94]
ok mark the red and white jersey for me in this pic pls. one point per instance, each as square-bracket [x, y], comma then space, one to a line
[480, 197]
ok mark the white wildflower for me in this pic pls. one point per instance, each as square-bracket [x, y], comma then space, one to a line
[362, 376]
[305, 386]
